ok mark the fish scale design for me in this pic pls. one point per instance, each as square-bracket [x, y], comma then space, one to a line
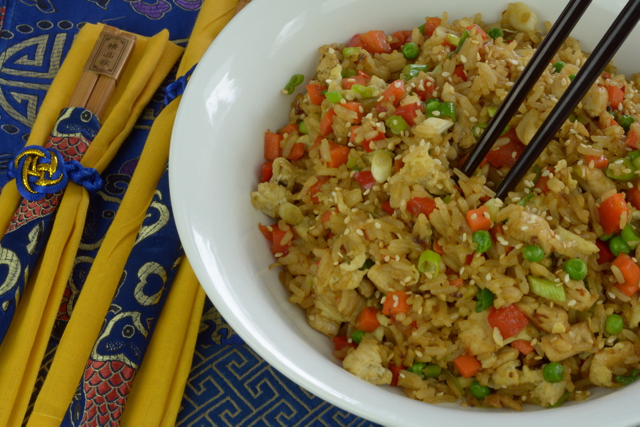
[106, 385]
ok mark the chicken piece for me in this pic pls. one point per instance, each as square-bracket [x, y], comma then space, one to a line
[530, 228]
[549, 393]
[327, 62]
[506, 374]
[269, 197]
[552, 320]
[365, 362]
[595, 101]
[319, 322]
[560, 346]
[593, 180]
[420, 168]
[571, 245]
[391, 276]
[631, 312]
[476, 334]
[283, 173]
[606, 359]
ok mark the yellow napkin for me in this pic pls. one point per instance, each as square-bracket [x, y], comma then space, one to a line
[158, 387]
[22, 351]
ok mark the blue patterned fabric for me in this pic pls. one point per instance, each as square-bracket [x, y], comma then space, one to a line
[229, 384]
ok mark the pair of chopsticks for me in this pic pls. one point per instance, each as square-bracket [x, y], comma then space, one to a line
[102, 70]
[588, 74]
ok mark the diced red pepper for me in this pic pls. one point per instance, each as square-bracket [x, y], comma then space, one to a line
[356, 107]
[339, 155]
[605, 255]
[277, 246]
[478, 30]
[326, 122]
[424, 90]
[326, 217]
[264, 229]
[399, 38]
[632, 137]
[366, 76]
[350, 81]
[392, 94]
[386, 206]
[315, 93]
[633, 196]
[267, 170]
[408, 112]
[395, 370]
[430, 25]
[418, 205]
[459, 71]
[272, 145]
[598, 161]
[457, 282]
[365, 179]
[375, 42]
[397, 165]
[523, 346]
[356, 41]
[509, 320]
[341, 342]
[543, 181]
[315, 188]
[508, 154]
[610, 212]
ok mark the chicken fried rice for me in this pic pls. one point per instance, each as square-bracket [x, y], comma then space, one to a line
[418, 274]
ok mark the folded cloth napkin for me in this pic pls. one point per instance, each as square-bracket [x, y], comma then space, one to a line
[22, 350]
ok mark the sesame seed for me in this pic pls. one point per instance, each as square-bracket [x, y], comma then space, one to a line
[378, 226]
[572, 303]
[359, 232]
[473, 119]
[445, 74]
[346, 231]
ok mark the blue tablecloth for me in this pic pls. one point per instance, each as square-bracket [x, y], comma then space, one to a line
[229, 384]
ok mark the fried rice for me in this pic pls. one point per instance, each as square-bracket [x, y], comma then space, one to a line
[420, 276]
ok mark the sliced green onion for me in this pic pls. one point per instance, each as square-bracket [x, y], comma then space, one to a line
[348, 72]
[558, 66]
[448, 109]
[635, 162]
[429, 262]
[492, 110]
[410, 50]
[413, 70]
[495, 32]
[561, 401]
[477, 130]
[368, 264]
[630, 236]
[364, 91]
[421, 28]
[633, 155]
[432, 371]
[453, 40]
[547, 289]
[485, 299]
[618, 246]
[302, 128]
[351, 51]
[431, 106]
[295, 80]
[417, 368]
[465, 35]
[572, 76]
[617, 172]
[356, 336]
[381, 165]
[633, 376]
[538, 171]
[607, 237]
[352, 164]
[397, 124]
[334, 97]
[625, 121]
[525, 199]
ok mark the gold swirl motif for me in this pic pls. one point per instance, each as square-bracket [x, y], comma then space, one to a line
[31, 167]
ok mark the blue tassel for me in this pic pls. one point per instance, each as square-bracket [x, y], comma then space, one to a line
[177, 88]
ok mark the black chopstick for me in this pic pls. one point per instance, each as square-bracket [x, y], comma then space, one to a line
[538, 63]
[588, 74]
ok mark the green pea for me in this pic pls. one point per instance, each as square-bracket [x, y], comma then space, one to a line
[553, 372]
[417, 368]
[533, 253]
[607, 237]
[558, 66]
[614, 324]
[482, 239]
[302, 128]
[478, 390]
[485, 300]
[410, 50]
[625, 121]
[432, 371]
[633, 155]
[576, 268]
[356, 336]
[618, 246]
[349, 72]
[630, 236]
[495, 32]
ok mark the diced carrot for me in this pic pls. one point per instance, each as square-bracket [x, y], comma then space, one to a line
[356, 107]
[633, 196]
[391, 95]
[339, 155]
[395, 370]
[605, 75]
[375, 42]
[386, 206]
[291, 127]
[356, 41]
[395, 302]
[478, 30]
[367, 320]
[627, 289]
[543, 181]
[509, 320]
[350, 81]
[477, 219]
[326, 217]
[507, 154]
[365, 179]
[605, 255]
[264, 229]
[408, 112]
[315, 188]
[418, 205]
[315, 93]
[437, 248]
[459, 71]
[397, 165]
[457, 282]
[424, 90]
[430, 25]
[468, 259]
[467, 365]
[632, 136]
[598, 161]
[610, 212]
[272, 145]
[326, 122]
[616, 96]
[277, 246]
[267, 170]
[630, 271]
[341, 342]
[522, 346]
[297, 151]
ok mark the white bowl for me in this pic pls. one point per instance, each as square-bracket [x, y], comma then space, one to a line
[216, 152]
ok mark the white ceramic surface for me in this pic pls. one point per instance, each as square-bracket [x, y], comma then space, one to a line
[216, 152]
